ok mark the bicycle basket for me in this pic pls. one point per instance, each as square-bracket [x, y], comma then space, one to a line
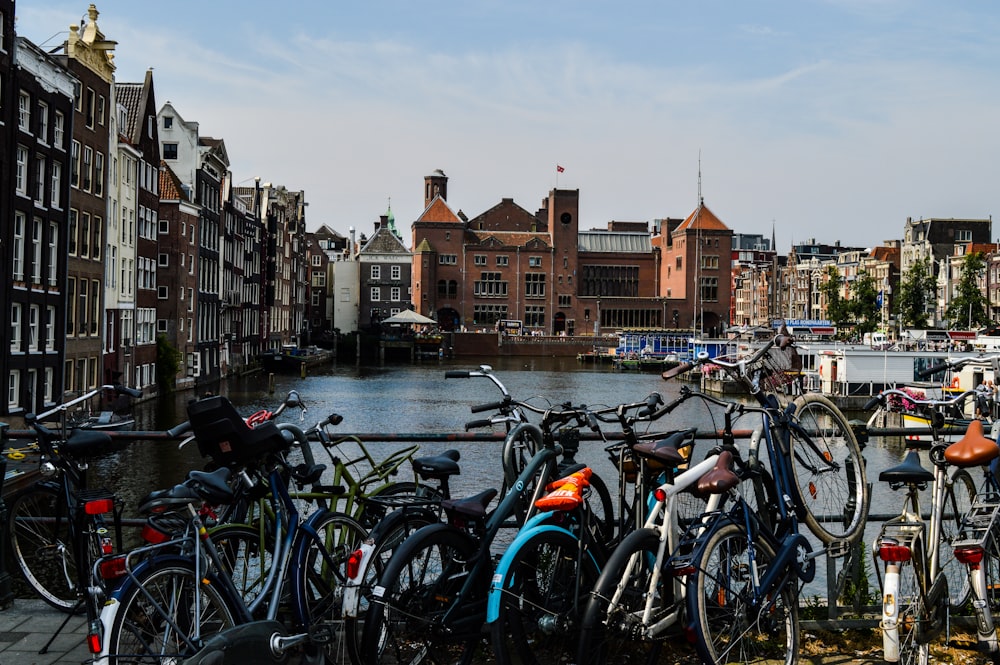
[773, 371]
[226, 438]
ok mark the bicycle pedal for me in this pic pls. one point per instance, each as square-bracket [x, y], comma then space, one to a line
[839, 549]
[321, 633]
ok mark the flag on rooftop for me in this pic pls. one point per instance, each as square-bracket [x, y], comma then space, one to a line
[559, 169]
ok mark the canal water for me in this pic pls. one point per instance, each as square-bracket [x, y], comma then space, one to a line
[417, 398]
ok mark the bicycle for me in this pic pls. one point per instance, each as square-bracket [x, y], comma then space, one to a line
[430, 602]
[743, 569]
[925, 560]
[173, 595]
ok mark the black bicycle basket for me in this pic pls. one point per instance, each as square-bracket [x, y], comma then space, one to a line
[224, 436]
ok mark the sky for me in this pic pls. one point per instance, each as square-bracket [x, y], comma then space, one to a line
[832, 120]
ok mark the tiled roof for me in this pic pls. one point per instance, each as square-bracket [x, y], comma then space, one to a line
[439, 211]
[170, 185]
[129, 95]
[604, 241]
[512, 238]
[704, 219]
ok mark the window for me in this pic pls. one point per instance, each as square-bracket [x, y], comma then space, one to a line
[161, 325]
[88, 107]
[59, 131]
[394, 294]
[376, 272]
[100, 109]
[43, 122]
[36, 250]
[376, 294]
[74, 217]
[21, 174]
[82, 310]
[534, 262]
[99, 174]
[168, 121]
[318, 278]
[15, 327]
[33, 325]
[317, 260]
[55, 195]
[95, 246]
[24, 112]
[679, 263]
[534, 315]
[963, 235]
[50, 328]
[490, 285]
[169, 151]
[70, 308]
[709, 262]
[396, 273]
[53, 271]
[48, 387]
[479, 259]
[85, 234]
[74, 162]
[534, 285]
[448, 259]
[163, 260]
[709, 289]
[19, 223]
[565, 301]
[88, 168]
[14, 390]
[503, 260]
[162, 292]
[40, 179]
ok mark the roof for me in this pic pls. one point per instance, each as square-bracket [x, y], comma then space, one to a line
[605, 241]
[171, 188]
[702, 218]
[129, 95]
[438, 210]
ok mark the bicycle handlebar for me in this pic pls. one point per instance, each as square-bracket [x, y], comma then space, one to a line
[883, 396]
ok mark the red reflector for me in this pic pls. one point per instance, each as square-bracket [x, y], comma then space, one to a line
[112, 569]
[689, 633]
[969, 555]
[99, 506]
[660, 494]
[153, 535]
[683, 571]
[897, 553]
[94, 643]
[354, 563]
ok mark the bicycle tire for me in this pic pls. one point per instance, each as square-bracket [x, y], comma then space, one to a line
[137, 635]
[541, 592]
[322, 573]
[247, 553]
[419, 585]
[387, 536]
[959, 495]
[602, 511]
[828, 495]
[610, 633]
[371, 513]
[718, 603]
[38, 531]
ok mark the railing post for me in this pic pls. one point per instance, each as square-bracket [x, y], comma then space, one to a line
[6, 586]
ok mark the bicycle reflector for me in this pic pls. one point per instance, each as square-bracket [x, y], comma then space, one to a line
[893, 552]
[660, 494]
[354, 563]
[99, 506]
[112, 569]
[971, 555]
[153, 535]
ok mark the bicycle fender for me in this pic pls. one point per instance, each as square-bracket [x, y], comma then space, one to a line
[129, 581]
[503, 567]
[107, 619]
[352, 590]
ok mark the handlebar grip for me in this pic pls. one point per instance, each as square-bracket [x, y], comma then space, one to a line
[125, 390]
[872, 403]
[492, 406]
[476, 424]
[334, 419]
[183, 428]
[676, 371]
[923, 374]
[457, 374]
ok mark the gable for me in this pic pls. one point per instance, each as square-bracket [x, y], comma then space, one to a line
[439, 211]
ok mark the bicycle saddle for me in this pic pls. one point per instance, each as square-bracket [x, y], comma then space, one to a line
[472, 507]
[908, 471]
[720, 478]
[973, 449]
[437, 466]
[200, 485]
[666, 450]
[87, 443]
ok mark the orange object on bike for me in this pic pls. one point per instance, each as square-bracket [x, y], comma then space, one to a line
[566, 493]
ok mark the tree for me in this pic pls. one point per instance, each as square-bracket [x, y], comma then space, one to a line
[837, 309]
[916, 289]
[168, 361]
[863, 306]
[968, 306]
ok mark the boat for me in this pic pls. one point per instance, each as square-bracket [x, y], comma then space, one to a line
[291, 358]
[108, 421]
[648, 362]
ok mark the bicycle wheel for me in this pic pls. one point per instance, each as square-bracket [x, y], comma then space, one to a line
[540, 601]
[372, 512]
[958, 498]
[602, 511]
[247, 554]
[156, 617]
[421, 583]
[323, 570]
[725, 626]
[912, 649]
[38, 531]
[612, 630]
[829, 471]
[386, 536]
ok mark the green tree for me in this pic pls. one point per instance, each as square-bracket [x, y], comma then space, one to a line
[863, 305]
[837, 308]
[168, 361]
[968, 306]
[916, 289]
